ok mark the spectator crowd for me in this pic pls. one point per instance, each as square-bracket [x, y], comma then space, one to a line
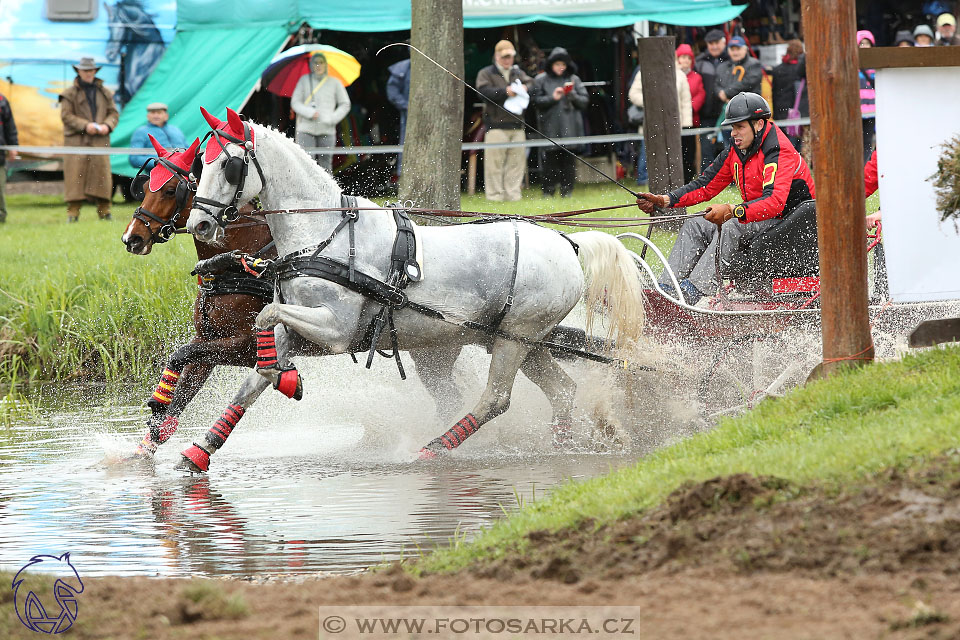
[545, 85]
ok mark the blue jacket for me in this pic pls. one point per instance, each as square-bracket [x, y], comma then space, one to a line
[398, 86]
[169, 136]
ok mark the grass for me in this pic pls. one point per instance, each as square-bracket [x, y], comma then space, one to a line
[830, 432]
[75, 305]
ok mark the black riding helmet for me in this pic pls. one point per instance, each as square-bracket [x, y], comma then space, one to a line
[746, 106]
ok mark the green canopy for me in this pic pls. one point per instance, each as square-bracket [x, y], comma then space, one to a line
[213, 67]
[222, 46]
[394, 15]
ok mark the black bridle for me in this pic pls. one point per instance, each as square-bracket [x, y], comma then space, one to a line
[235, 172]
[185, 184]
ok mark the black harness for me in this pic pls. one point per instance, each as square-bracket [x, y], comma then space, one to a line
[234, 172]
[389, 294]
[165, 228]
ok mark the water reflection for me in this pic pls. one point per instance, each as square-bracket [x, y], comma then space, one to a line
[321, 503]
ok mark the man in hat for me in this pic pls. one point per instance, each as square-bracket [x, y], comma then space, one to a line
[503, 168]
[923, 36]
[169, 136]
[706, 64]
[8, 135]
[320, 102]
[89, 115]
[947, 30]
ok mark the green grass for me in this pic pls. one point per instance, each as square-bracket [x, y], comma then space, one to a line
[830, 432]
[73, 302]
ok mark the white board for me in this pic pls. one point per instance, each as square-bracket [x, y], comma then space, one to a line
[918, 109]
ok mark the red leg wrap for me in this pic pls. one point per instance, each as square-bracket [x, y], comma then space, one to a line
[266, 349]
[157, 435]
[163, 394]
[562, 434]
[224, 425]
[452, 439]
[197, 456]
[290, 385]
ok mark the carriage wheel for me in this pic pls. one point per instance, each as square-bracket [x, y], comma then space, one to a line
[748, 369]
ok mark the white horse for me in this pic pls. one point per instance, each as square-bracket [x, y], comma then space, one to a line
[505, 285]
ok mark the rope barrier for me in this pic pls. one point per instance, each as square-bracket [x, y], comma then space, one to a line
[390, 148]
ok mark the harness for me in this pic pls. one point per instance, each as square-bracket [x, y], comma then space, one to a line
[166, 228]
[235, 172]
[388, 293]
[237, 283]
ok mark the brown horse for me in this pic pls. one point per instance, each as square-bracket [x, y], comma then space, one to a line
[226, 305]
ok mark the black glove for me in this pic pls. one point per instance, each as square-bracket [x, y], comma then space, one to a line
[218, 263]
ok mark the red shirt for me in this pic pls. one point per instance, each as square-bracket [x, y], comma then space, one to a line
[771, 176]
[871, 180]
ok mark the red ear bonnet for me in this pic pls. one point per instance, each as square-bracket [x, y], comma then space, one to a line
[233, 126]
[160, 174]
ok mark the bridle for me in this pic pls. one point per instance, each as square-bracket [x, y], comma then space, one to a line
[185, 185]
[235, 172]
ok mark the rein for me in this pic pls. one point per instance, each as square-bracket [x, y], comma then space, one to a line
[558, 218]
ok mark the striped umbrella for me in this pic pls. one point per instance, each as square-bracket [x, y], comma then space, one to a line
[281, 76]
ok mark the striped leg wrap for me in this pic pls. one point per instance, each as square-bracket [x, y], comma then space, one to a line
[453, 438]
[266, 349]
[163, 394]
[157, 434]
[224, 425]
[562, 434]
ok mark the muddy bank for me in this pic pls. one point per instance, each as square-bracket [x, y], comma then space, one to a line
[732, 557]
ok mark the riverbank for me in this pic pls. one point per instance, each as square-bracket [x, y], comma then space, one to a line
[831, 513]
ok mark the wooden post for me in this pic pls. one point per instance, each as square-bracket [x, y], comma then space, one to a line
[661, 125]
[829, 26]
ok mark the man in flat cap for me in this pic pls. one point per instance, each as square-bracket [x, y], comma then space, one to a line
[707, 64]
[166, 134]
[89, 115]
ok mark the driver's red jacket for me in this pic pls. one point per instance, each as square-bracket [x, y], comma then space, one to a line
[771, 176]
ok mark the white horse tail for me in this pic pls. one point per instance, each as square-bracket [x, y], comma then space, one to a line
[613, 285]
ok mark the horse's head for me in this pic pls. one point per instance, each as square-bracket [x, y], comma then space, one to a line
[226, 181]
[166, 194]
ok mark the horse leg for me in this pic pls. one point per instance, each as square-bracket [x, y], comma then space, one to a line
[541, 368]
[505, 361]
[184, 376]
[315, 324]
[196, 457]
[435, 368]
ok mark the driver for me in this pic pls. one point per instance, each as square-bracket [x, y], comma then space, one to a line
[772, 179]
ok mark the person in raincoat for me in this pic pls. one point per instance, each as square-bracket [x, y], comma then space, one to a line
[320, 102]
[89, 115]
[560, 99]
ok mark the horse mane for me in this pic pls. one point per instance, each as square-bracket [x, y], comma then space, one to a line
[302, 158]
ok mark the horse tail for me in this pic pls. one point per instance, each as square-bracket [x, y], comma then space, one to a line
[612, 285]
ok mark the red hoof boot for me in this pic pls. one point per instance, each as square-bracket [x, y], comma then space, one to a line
[434, 449]
[290, 384]
[195, 459]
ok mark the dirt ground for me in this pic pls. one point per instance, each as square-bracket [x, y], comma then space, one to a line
[734, 557]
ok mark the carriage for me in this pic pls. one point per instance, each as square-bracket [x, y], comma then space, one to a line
[760, 335]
